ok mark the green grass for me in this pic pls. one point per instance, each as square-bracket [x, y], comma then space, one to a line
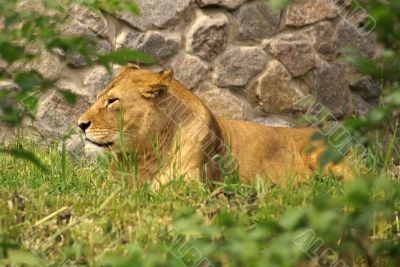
[73, 215]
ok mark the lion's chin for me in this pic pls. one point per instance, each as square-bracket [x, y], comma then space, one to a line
[102, 145]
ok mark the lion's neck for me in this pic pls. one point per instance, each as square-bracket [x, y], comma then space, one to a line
[183, 113]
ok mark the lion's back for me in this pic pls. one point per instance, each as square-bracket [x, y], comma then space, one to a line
[266, 151]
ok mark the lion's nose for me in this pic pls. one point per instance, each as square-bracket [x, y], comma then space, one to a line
[84, 125]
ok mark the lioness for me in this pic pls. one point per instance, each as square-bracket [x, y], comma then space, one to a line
[173, 133]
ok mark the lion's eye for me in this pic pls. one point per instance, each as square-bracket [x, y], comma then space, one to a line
[111, 100]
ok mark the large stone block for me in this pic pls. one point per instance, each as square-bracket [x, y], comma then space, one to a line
[78, 28]
[127, 38]
[332, 88]
[189, 70]
[155, 14]
[208, 36]
[48, 65]
[90, 20]
[223, 102]
[96, 80]
[325, 40]
[158, 45]
[256, 20]
[304, 12]
[238, 65]
[368, 89]
[277, 90]
[349, 35]
[296, 53]
[360, 106]
[56, 118]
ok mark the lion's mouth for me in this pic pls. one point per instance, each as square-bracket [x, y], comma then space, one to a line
[109, 144]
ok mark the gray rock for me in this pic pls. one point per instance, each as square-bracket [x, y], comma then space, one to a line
[75, 60]
[349, 35]
[208, 36]
[48, 65]
[93, 21]
[360, 106]
[304, 12]
[78, 61]
[228, 4]
[8, 85]
[189, 70]
[158, 45]
[325, 39]
[75, 146]
[157, 14]
[308, 79]
[104, 47]
[96, 80]
[238, 65]
[128, 38]
[332, 89]
[73, 85]
[273, 121]
[7, 134]
[223, 102]
[76, 28]
[256, 20]
[295, 53]
[153, 43]
[368, 89]
[277, 90]
[56, 118]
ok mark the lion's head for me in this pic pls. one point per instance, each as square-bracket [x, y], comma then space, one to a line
[127, 109]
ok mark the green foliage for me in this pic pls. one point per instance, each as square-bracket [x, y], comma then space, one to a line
[384, 68]
[125, 55]
[26, 155]
[71, 214]
[187, 223]
[277, 5]
[28, 28]
[383, 21]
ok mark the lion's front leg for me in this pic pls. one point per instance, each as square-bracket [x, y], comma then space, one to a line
[189, 168]
[170, 175]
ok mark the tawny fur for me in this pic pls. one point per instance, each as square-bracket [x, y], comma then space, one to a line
[173, 133]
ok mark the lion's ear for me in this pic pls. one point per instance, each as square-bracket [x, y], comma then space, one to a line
[161, 85]
[166, 76]
[153, 91]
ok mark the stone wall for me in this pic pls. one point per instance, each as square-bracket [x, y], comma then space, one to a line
[244, 60]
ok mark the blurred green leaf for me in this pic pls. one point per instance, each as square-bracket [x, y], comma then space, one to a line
[28, 101]
[32, 80]
[68, 96]
[114, 6]
[10, 53]
[329, 155]
[21, 258]
[278, 4]
[125, 56]
[358, 194]
[294, 218]
[25, 155]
